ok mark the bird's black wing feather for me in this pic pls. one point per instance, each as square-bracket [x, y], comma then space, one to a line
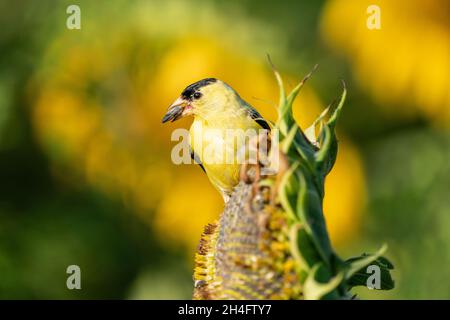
[257, 117]
[196, 159]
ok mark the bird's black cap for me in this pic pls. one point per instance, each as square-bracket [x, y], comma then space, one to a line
[190, 89]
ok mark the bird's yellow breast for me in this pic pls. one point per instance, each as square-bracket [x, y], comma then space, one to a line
[220, 143]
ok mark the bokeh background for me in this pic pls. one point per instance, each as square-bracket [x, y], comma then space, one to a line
[85, 170]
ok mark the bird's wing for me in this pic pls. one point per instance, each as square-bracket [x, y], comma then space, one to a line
[257, 117]
[196, 159]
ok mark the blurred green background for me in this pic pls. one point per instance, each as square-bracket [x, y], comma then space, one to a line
[85, 169]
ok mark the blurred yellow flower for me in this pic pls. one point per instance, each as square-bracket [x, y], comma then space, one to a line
[186, 208]
[406, 62]
[345, 194]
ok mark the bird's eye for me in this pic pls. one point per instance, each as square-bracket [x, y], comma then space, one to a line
[197, 95]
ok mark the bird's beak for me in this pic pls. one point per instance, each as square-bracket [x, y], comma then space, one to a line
[180, 108]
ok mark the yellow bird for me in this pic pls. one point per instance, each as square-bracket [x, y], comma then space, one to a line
[222, 123]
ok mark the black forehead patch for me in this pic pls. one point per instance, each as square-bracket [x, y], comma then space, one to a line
[190, 89]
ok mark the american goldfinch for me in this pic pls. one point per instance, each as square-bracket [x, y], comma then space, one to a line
[217, 110]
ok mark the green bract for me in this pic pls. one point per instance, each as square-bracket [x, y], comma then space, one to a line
[301, 191]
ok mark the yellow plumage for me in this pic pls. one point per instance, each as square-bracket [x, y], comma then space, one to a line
[223, 124]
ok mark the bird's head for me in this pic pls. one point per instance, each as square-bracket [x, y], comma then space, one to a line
[200, 98]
